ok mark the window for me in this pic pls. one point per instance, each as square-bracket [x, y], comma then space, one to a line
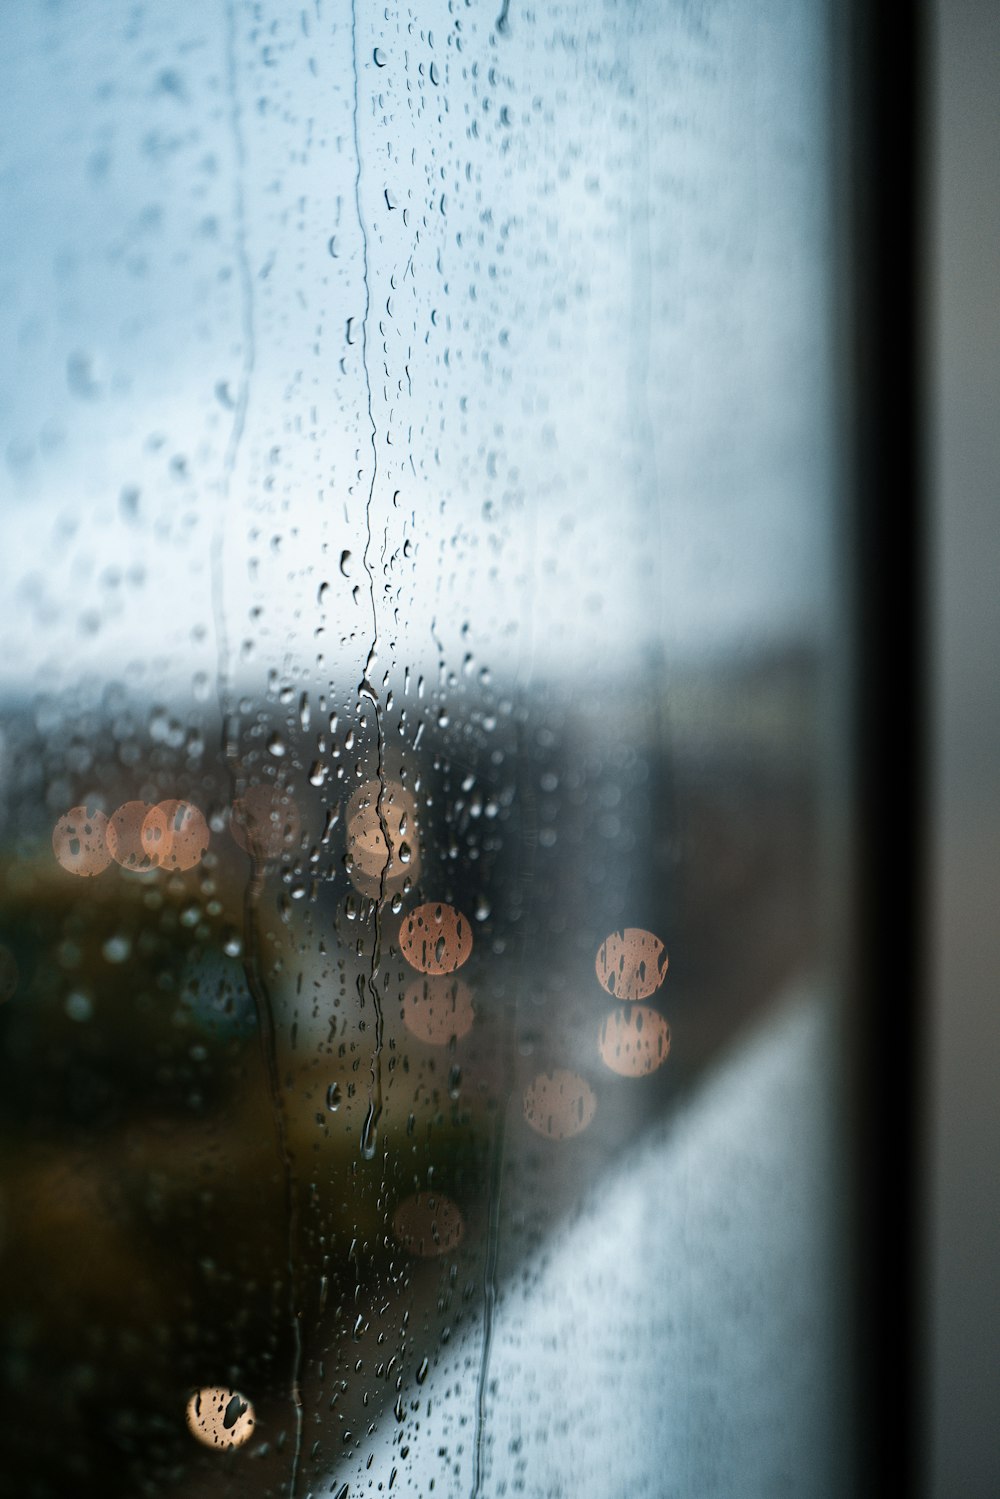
[421, 471]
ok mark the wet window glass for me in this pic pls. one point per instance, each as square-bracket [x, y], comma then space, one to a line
[418, 493]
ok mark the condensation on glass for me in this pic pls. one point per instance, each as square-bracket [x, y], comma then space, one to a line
[417, 496]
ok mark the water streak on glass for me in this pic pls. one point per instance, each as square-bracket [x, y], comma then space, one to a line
[366, 691]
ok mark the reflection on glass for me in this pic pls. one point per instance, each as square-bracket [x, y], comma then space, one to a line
[428, 1224]
[559, 1104]
[438, 1010]
[634, 1041]
[265, 822]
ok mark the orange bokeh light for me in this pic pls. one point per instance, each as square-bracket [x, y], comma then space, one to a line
[219, 1417]
[124, 836]
[559, 1104]
[375, 887]
[631, 964]
[175, 835]
[79, 841]
[365, 839]
[437, 1010]
[435, 938]
[635, 1041]
[428, 1224]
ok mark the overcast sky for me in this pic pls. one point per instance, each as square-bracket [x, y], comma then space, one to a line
[598, 335]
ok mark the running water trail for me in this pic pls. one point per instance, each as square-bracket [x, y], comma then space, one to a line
[366, 689]
[230, 738]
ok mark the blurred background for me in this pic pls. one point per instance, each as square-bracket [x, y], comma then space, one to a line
[495, 545]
